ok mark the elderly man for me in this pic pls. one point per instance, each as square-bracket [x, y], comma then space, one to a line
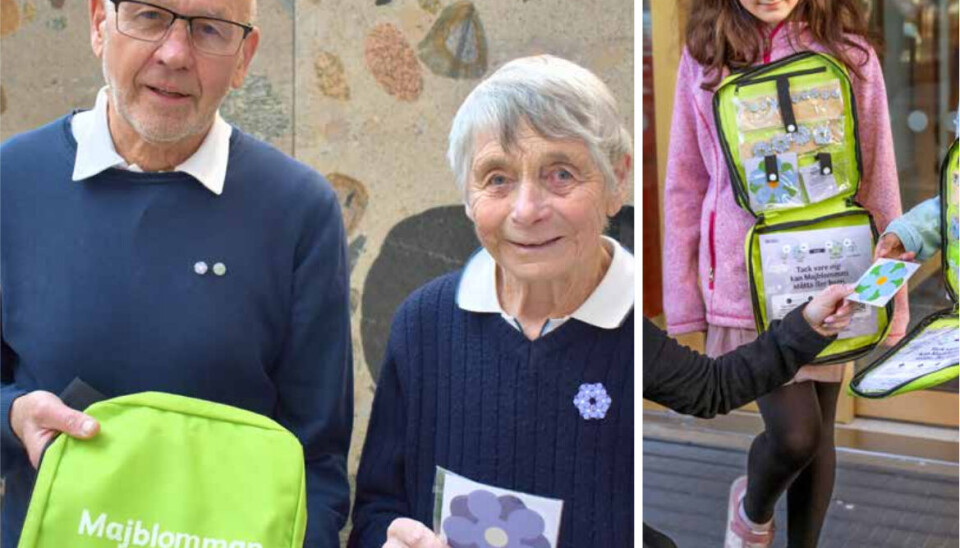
[147, 245]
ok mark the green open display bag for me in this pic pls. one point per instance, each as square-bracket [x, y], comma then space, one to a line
[949, 219]
[789, 133]
[930, 354]
[169, 471]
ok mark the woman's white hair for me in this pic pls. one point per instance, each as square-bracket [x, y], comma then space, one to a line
[557, 98]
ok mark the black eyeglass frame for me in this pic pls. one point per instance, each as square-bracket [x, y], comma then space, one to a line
[247, 28]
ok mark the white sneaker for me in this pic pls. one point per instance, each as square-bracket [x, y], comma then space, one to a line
[739, 533]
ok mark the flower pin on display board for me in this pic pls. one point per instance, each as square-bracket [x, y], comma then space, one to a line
[882, 281]
[770, 190]
[474, 515]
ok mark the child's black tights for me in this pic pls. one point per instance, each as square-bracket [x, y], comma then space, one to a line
[795, 453]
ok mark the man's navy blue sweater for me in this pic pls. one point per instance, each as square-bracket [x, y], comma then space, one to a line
[470, 393]
[98, 282]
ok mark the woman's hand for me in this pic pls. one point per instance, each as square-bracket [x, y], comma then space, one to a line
[408, 533]
[890, 247]
[828, 313]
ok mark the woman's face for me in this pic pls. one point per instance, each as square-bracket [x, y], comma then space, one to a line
[539, 208]
[771, 12]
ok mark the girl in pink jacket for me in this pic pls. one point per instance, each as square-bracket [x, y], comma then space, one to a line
[704, 268]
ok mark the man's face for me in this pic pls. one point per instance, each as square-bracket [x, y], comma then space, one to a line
[167, 91]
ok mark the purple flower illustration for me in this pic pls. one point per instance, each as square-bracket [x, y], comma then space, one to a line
[592, 401]
[483, 520]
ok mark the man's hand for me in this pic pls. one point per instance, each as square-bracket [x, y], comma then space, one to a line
[828, 313]
[408, 533]
[38, 416]
[890, 247]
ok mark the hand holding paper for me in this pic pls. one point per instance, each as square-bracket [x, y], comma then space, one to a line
[828, 313]
[882, 281]
[409, 533]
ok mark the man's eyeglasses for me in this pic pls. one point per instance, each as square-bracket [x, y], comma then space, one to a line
[144, 21]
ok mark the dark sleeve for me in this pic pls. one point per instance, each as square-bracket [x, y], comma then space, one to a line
[314, 373]
[693, 384]
[381, 492]
[9, 391]
[655, 539]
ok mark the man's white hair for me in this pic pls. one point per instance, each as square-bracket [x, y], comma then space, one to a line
[557, 98]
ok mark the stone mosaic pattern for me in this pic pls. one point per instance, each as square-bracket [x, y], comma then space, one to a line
[256, 109]
[362, 91]
[456, 45]
[330, 73]
[392, 62]
[9, 17]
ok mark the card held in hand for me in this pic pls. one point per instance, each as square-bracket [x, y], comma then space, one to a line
[471, 514]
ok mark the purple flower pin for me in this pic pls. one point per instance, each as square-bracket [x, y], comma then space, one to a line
[592, 401]
[483, 520]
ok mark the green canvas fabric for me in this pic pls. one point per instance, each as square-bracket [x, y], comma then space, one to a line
[840, 349]
[944, 319]
[785, 128]
[740, 104]
[169, 471]
[949, 220]
[949, 227]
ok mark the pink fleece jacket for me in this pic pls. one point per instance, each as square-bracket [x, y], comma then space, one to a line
[704, 271]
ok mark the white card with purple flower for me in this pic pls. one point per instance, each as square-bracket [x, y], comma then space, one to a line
[474, 515]
[882, 281]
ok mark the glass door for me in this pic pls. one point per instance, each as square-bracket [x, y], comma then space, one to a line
[920, 65]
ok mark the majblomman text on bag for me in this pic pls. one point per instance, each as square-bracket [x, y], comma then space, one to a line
[132, 533]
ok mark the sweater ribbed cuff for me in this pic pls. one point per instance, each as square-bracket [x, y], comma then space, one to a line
[909, 236]
[800, 336]
[695, 326]
[8, 439]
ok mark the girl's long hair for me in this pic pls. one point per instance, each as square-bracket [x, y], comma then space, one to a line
[723, 34]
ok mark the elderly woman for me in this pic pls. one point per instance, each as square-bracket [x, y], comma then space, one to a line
[484, 364]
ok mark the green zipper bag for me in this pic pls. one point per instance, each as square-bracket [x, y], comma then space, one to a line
[900, 369]
[788, 130]
[168, 471]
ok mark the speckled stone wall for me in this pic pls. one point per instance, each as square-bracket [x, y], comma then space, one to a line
[362, 90]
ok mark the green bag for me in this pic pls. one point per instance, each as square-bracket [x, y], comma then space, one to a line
[169, 471]
[949, 220]
[789, 133]
[930, 354]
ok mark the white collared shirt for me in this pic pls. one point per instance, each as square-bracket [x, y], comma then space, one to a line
[607, 307]
[96, 153]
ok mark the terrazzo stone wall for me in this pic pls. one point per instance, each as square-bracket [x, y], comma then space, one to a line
[363, 91]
